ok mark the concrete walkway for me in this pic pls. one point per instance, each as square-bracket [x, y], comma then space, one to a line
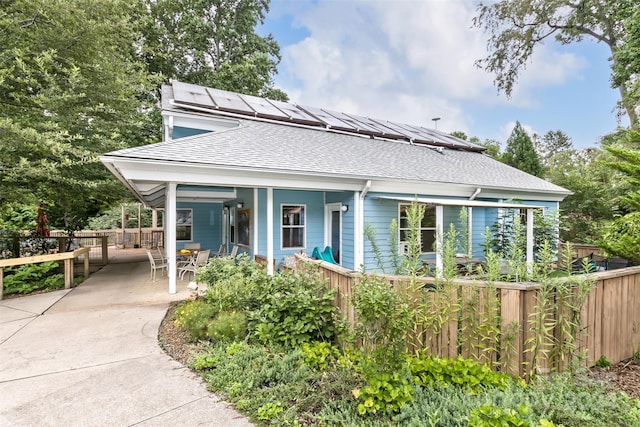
[89, 356]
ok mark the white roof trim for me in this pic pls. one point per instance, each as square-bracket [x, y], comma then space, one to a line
[462, 202]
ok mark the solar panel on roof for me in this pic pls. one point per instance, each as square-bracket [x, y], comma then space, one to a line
[254, 106]
[229, 101]
[383, 130]
[327, 118]
[440, 137]
[359, 126]
[397, 127]
[191, 94]
[262, 107]
[295, 114]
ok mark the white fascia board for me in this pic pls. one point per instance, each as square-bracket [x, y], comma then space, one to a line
[208, 175]
[463, 190]
[432, 188]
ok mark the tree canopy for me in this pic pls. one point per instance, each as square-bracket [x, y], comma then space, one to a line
[79, 78]
[212, 43]
[520, 152]
[517, 27]
[72, 90]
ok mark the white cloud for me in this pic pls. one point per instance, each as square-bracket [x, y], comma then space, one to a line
[407, 61]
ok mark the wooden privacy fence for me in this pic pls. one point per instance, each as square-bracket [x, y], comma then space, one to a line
[498, 323]
[66, 257]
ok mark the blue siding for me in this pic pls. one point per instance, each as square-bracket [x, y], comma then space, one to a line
[182, 132]
[206, 224]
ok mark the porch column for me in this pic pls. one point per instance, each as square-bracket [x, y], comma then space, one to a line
[358, 232]
[439, 237]
[170, 234]
[270, 231]
[469, 249]
[256, 209]
[529, 241]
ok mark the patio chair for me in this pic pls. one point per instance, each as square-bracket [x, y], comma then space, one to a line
[156, 264]
[192, 245]
[234, 251]
[221, 250]
[200, 260]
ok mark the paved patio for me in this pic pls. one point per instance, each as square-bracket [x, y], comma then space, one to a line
[89, 356]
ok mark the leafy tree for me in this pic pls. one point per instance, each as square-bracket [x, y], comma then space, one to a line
[516, 27]
[72, 90]
[594, 201]
[493, 148]
[626, 61]
[621, 237]
[459, 134]
[520, 152]
[550, 144]
[212, 43]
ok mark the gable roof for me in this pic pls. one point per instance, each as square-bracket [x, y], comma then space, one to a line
[262, 143]
[285, 149]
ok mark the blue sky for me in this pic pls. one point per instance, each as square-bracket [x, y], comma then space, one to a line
[413, 60]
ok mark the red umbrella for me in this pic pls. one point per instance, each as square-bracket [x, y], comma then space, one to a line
[42, 230]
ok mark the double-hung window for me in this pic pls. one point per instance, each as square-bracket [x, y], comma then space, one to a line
[426, 230]
[293, 222]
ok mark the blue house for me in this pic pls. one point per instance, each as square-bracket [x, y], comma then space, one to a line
[275, 178]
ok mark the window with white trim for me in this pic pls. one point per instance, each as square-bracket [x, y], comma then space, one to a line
[292, 221]
[427, 231]
[184, 222]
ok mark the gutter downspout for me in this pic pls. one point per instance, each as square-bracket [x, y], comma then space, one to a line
[358, 226]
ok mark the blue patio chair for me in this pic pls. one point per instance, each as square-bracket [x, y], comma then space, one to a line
[327, 255]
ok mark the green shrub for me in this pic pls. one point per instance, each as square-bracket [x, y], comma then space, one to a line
[228, 325]
[384, 319]
[269, 411]
[195, 317]
[31, 277]
[603, 362]
[318, 355]
[385, 392]
[295, 308]
[463, 372]
[233, 286]
[495, 416]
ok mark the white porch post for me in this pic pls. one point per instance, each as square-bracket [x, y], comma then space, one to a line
[358, 232]
[439, 237]
[270, 230]
[469, 249]
[529, 240]
[170, 234]
[256, 209]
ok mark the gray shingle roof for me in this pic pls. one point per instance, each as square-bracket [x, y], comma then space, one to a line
[283, 148]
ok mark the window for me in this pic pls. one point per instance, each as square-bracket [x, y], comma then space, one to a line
[293, 226]
[427, 230]
[184, 219]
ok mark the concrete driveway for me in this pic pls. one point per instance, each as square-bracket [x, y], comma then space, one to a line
[89, 356]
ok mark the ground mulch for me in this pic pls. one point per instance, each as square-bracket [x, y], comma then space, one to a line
[623, 376]
[175, 340]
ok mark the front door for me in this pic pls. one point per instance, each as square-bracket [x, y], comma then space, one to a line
[333, 229]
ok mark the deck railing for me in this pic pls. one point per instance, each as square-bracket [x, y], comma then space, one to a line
[67, 257]
[610, 318]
